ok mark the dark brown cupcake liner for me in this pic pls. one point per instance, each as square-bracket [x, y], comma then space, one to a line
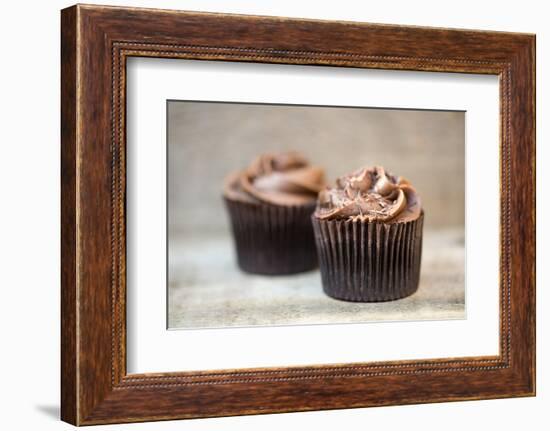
[272, 239]
[369, 262]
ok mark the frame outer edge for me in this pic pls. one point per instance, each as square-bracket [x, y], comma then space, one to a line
[69, 195]
[531, 79]
[529, 62]
[533, 54]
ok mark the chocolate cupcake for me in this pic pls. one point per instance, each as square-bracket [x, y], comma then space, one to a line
[270, 204]
[368, 232]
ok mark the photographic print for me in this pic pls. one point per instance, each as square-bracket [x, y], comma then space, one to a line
[293, 215]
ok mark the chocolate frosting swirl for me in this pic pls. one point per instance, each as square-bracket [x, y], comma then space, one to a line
[279, 179]
[369, 194]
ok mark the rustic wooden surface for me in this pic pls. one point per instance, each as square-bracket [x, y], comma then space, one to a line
[207, 290]
[96, 41]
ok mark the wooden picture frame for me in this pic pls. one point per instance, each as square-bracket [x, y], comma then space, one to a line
[95, 43]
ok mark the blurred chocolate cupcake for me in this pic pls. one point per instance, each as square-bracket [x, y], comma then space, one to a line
[368, 232]
[270, 204]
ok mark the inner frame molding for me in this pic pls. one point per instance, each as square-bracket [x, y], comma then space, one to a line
[96, 42]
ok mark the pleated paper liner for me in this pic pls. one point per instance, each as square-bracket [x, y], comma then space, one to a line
[369, 262]
[272, 239]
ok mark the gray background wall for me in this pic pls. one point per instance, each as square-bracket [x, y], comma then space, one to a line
[206, 141]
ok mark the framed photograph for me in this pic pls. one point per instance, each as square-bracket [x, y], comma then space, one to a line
[263, 214]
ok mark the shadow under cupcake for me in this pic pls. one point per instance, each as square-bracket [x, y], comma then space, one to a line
[270, 204]
[368, 232]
